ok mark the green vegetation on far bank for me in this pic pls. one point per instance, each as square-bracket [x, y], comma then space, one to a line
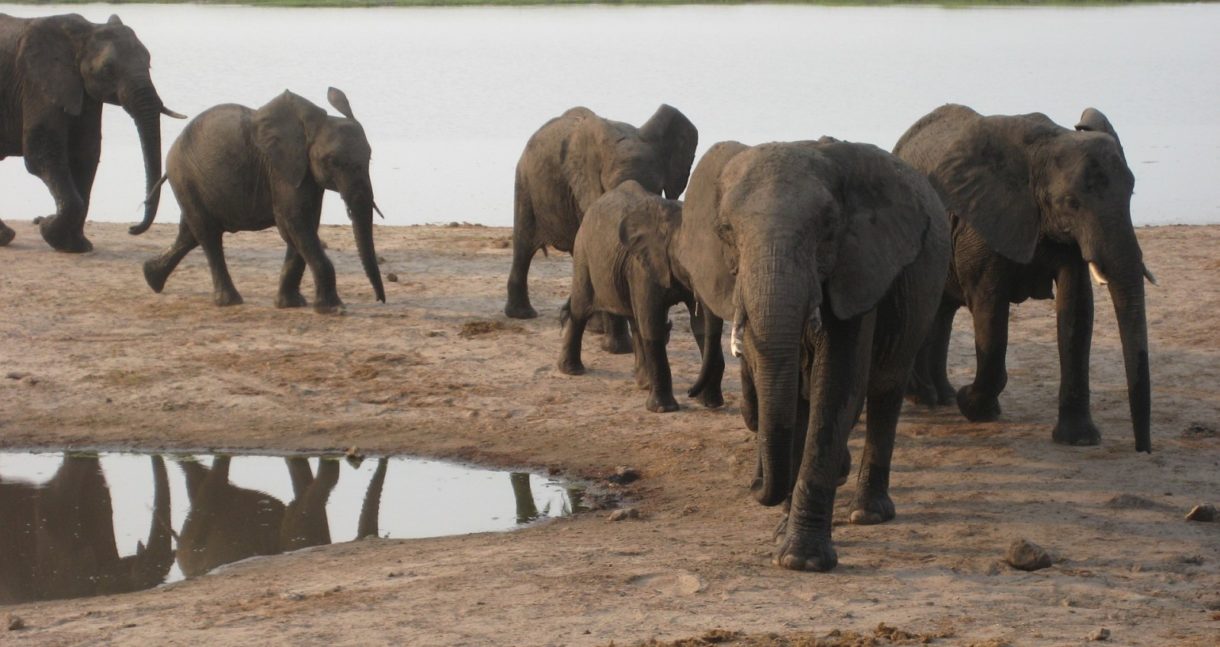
[464, 3]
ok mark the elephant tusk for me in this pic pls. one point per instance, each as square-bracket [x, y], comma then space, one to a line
[815, 320]
[735, 339]
[1095, 272]
[1148, 275]
[170, 113]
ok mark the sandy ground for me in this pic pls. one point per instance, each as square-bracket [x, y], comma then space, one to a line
[109, 364]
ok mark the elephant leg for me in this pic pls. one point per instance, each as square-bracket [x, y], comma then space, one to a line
[749, 397]
[651, 328]
[47, 160]
[643, 379]
[299, 225]
[157, 270]
[524, 247]
[980, 400]
[617, 340]
[574, 320]
[872, 504]
[942, 331]
[1074, 312]
[290, 295]
[707, 328]
[6, 234]
[224, 293]
[837, 387]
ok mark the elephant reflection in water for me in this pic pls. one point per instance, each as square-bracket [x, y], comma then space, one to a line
[227, 523]
[57, 538]
[523, 495]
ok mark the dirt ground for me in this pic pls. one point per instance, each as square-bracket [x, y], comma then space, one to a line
[103, 362]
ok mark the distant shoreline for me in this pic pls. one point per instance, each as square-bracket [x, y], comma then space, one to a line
[641, 3]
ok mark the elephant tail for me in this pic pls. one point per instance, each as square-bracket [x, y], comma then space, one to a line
[154, 196]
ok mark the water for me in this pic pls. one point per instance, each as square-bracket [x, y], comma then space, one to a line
[450, 95]
[75, 547]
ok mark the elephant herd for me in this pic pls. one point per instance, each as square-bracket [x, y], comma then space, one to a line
[838, 266]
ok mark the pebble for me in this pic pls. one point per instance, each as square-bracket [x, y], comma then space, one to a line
[15, 375]
[624, 475]
[1027, 556]
[15, 623]
[624, 513]
[295, 597]
[1202, 512]
[1100, 634]
[391, 277]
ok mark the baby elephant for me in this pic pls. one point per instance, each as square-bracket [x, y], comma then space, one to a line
[621, 265]
[237, 169]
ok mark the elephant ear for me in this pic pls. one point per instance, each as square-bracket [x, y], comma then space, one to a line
[582, 156]
[281, 132]
[886, 211]
[1093, 120]
[645, 230]
[677, 139]
[985, 180]
[704, 249]
[338, 99]
[48, 64]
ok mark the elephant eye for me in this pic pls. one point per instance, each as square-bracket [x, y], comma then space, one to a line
[1072, 202]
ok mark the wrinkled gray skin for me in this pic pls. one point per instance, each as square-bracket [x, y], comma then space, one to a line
[227, 523]
[1032, 206]
[57, 538]
[55, 74]
[238, 169]
[622, 264]
[829, 257]
[568, 164]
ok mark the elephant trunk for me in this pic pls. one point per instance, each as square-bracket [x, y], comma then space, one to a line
[1128, 296]
[774, 316]
[145, 108]
[360, 210]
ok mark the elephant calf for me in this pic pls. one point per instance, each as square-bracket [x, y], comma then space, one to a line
[621, 265]
[238, 169]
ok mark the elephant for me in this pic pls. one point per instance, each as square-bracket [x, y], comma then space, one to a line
[55, 74]
[622, 265]
[1035, 209]
[57, 539]
[568, 164]
[6, 234]
[238, 169]
[829, 258]
[227, 523]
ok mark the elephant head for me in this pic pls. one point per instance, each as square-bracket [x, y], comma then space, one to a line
[603, 154]
[649, 227]
[67, 59]
[1022, 180]
[57, 539]
[300, 141]
[803, 231]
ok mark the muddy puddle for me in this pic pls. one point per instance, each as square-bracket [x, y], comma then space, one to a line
[82, 524]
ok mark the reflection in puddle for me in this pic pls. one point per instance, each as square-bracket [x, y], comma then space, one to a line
[76, 525]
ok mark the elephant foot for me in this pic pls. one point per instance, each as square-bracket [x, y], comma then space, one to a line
[519, 310]
[710, 398]
[871, 508]
[154, 275]
[225, 299]
[617, 345]
[661, 403]
[945, 394]
[804, 552]
[571, 367]
[69, 242]
[976, 406]
[749, 414]
[6, 234]
[329, 307]
[290, 300]
[1076, 430]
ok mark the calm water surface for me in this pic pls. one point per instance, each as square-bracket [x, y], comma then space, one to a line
[450, 95]
[54, 526]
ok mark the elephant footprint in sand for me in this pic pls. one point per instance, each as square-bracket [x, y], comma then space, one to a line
[238, 169]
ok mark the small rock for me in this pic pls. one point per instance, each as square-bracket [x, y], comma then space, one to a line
[381, 259]
[30, 380]
[624, 475]
[1099, 634]
[393, 574]
[15, 375]
[295, 597]
[1131, 502]
[624, 513]
[14, 622]
[391, 277]
[1027, 556]
[1202, 512]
